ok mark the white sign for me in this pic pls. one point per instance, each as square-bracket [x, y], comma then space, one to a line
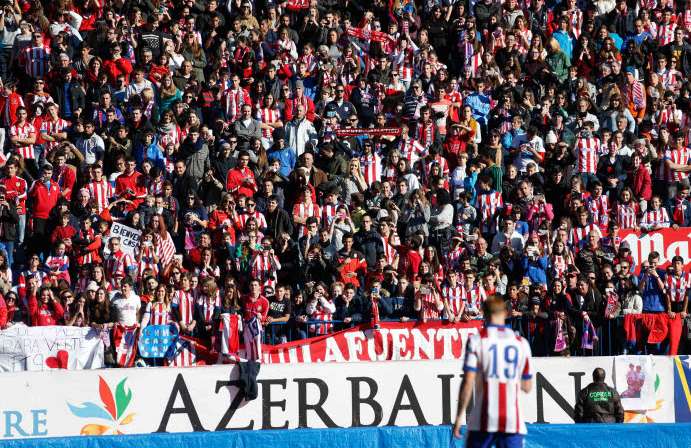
[42, 348]
[400, 393]
[635, 380]
[129, 237]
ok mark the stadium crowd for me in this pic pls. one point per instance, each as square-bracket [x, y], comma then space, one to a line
[319, 164]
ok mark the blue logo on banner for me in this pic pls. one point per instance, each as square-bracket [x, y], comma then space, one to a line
[156, 340]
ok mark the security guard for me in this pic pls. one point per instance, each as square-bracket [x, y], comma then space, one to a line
[599, 403]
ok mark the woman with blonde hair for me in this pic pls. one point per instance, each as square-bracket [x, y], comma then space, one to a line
[207, 304]
[557, 61]
[168, 93]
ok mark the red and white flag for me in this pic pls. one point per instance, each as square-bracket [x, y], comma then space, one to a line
[230, 328]
[125, 343]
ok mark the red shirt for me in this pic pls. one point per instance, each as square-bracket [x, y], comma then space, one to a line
[66, 178]
[44, 315]
[44, 199]
[16, 191]
[131, 182]
[234, 182]
[250, 308]
[117, 67]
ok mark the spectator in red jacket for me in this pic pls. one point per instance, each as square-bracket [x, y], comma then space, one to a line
[3, 313]
[130, 186]
[46, 310]
[642, 185]
[117, 65]
[240, 180]
[44, 196]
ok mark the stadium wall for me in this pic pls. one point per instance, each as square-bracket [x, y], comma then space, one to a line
[331, 395]
[539, 436]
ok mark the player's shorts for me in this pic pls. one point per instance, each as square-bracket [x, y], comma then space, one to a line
[479, 439]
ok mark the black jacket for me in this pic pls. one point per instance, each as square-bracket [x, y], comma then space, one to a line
[77, 96]
[599, 403]
[370, 244]
[8, 221]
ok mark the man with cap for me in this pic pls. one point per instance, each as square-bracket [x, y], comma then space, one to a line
[635, 94]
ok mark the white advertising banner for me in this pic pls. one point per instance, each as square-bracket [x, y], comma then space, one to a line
[401, 393]
[43, 348]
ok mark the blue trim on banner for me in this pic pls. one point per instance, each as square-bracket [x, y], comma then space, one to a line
[539, 436]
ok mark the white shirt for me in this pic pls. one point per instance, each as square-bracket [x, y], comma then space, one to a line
[126, 308]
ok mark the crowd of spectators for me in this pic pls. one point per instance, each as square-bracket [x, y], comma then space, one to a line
[509, 144]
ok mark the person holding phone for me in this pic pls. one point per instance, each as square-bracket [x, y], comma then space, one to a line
[428, 302]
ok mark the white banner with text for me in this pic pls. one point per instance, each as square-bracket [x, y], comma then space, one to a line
[400, 393]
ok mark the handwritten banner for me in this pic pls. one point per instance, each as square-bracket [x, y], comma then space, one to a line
[129, 237]
[43, 348]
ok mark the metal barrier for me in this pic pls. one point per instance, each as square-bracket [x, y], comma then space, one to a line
[280, 332]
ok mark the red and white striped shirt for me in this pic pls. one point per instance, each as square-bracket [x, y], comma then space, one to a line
[680, 157]
[371, 168]
[322, 313]
[101, 192]
[488, 204]
[599, 208]
[579, 233]
[588, 152]
[411, 150]
[166, 249]
[303, 210]
[678, 288]
[429, 306]
[147, 260]
[389, 251]
[266, 115]
[627, 215]
[184, 302]
[665, 33]
[426, 133]
[329, 213]
[158, 313]
[117, 263]
[454, 296]
[474, 297]
[241, 220]
[501, 359]
[655, 218]
[207, 305]
[24, 131]
[52, 127]
[233, 100]
[263, 269]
